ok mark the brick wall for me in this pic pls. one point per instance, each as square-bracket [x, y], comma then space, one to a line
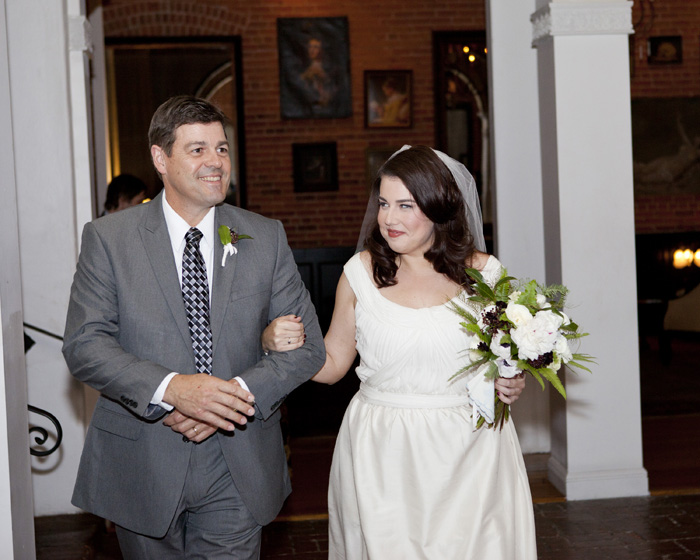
[667, 213]
[391, 34]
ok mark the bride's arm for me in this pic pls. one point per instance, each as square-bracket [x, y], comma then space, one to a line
[340, 338]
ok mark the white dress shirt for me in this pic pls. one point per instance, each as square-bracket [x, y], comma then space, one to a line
[177, 229]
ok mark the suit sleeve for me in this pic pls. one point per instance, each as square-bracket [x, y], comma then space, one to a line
[91, 345]
[276, 375]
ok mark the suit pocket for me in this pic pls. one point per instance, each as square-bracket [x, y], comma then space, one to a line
[258, 292]
[121, 425]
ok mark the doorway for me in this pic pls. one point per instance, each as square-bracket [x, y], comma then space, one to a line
[143, 72]
[462, 108]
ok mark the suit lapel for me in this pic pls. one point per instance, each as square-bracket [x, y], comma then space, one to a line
[223, 276]
[156, 241]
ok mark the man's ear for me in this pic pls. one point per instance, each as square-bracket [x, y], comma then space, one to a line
[159, 158]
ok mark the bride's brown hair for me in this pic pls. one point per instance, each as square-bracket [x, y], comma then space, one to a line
[436, 193]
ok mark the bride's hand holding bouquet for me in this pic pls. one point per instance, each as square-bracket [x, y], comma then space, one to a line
[518, 327]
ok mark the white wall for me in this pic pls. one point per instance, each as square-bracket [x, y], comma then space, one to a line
[6, 538]
[16, 508]
[519, 231]
[52, 165]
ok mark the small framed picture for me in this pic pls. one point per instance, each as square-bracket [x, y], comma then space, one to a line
[665, 50]
[315, 167]
[388, 98]
[374, 159]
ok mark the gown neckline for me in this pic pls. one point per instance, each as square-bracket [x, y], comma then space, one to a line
[428, 308]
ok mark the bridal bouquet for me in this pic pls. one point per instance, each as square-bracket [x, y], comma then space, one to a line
[521, 327]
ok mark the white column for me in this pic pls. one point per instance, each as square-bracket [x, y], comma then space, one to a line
[515, 149]
[54, 184]
[16, 507]
[582, 51]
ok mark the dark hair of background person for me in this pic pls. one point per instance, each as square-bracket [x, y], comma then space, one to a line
[125, 187]
[435, 191]
[176, 112]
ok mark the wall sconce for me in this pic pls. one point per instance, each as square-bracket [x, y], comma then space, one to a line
[685, 257]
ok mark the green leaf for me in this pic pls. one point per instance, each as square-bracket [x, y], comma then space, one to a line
[577, 358]
[471, 327]
[532, 371]
[503, 287]
[492, 372]
[225, 235]
[462, 312]
[475, 275]
[468, 368]
[485, 291]
[553, 378]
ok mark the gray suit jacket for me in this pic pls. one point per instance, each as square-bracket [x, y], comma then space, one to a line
[127, 329]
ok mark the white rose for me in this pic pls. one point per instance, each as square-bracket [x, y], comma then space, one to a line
[502, 351]
[518, 314]
[550, 318]
[541, 301]
[538, 336]
[507, 368]
[562, 349]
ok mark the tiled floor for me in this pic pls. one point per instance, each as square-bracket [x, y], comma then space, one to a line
[663, 526]
[653, 528]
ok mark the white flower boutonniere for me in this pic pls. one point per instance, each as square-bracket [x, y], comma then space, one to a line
[229, 237]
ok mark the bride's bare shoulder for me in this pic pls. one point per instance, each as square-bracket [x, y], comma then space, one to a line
[478, 260]
[366, 258]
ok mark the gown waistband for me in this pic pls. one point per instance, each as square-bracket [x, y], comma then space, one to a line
[411, 400]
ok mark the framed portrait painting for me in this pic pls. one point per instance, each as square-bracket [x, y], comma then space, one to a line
[388, 98]
[314, 67]
[315, 167]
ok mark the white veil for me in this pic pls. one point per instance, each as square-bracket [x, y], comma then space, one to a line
[467, 186]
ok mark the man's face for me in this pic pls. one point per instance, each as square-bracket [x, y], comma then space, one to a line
[196, 173]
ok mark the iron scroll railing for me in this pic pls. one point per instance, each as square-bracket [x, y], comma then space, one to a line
[41, 435]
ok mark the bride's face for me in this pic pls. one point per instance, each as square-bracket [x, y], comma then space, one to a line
[401, 222]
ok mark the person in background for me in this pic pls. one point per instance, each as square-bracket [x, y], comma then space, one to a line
[123, 192]
[410, 477]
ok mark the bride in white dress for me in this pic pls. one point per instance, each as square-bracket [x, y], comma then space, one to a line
[410, 479]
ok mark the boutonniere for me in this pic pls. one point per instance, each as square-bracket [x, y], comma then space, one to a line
[229, 237]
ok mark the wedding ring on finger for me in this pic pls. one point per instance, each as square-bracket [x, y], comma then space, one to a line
[195, 429]
[289, 341]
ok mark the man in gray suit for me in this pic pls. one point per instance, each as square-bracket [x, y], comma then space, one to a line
[184, 452]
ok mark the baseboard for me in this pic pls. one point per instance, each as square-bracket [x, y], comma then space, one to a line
[594, 485]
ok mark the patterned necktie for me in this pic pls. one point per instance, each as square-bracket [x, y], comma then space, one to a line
[195, 293]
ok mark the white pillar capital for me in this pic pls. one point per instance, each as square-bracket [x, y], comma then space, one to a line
[581, 18]
[80, 34]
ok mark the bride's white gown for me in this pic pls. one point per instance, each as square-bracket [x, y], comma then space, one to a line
[410, 478]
